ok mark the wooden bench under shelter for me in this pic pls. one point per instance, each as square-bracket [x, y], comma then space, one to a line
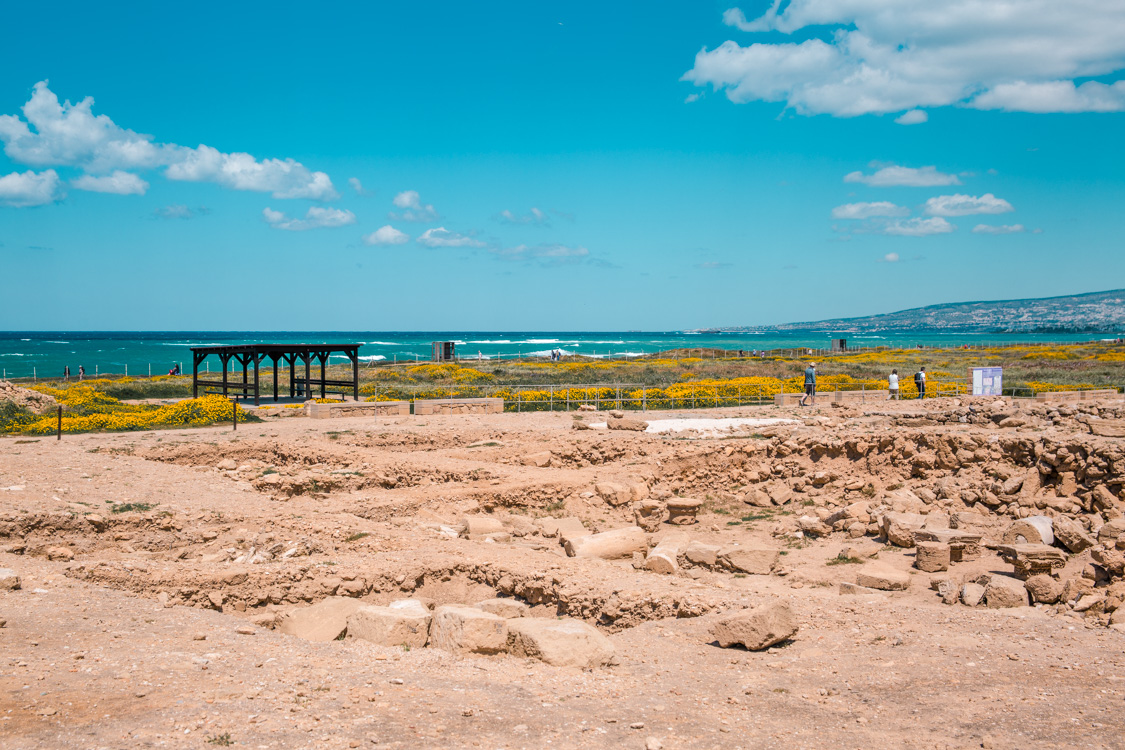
[290, 354]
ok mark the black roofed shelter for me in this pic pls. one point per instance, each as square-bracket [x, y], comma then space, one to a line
[290, 354]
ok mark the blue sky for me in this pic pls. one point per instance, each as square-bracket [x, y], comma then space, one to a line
[553, 166]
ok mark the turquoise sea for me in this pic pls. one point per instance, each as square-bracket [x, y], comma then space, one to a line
[45, 354]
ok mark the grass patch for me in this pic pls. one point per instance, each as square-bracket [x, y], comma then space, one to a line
[357, 536]
[842, 559]
[132, 508]
[222, 740]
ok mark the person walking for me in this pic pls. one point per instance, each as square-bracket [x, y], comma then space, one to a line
[810, 385]
[81, 372]
[892, 385]
[66, 373]
[920, 382]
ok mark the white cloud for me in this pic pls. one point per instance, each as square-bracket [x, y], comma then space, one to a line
[1002, 229]
[386, 235]
[876, 56]
[1054, 96]
[913, 117]
[119, 183]
[442, 237]
[21, 190]
[316, 217]
[536, 216]
[692, 98]
[896, 176]
[868, 210]
[552, 252]
[357, 186]
[918, 227]
[285, 178]
[965, 205]
[71, 135]
[415, 210]
[890, 258]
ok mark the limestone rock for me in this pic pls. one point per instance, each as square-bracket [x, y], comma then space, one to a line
[1043, 588]
[634, 425]
[326, 620]
[506, 608]
[560, 643]
[464, 629]
[1071, 534]
[757, 498]
[899, 528]
[758, 561]
[480, 527]
[9, 580]
[756, 629]
[699, 553]
[1002, 592]
[972, 594]
[60, 554]
[884, 579]
[541, 459]
[609, 545]
[649, 514]
[614, 493]
[403, 625]
[562, 528]
[932, 557]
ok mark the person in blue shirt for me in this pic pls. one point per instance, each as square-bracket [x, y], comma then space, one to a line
[810, 385]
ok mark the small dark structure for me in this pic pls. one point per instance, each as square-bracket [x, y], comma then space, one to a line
[289, 354]
[839, 345]
[444, 351]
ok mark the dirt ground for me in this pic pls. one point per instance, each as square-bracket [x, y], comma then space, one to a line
[155, 569]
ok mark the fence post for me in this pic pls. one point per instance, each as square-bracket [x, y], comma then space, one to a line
[60, 424]
[644, 399]
[234, 414]
[552, 398]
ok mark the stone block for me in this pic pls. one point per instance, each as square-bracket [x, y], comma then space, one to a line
[663, 558]
[477, 527]
[560, 643]
[931, 556]
[899, 528]
[699, 553]
[462, 629]
[972, 594]
[682, 511]
[1002, 592]
[9, 580]
[884, 579]
[403, 625]
[1031, 530]
[459, 406]
[756, 629]
[1044, 589]
[758, 561]
[324, 621]
[506, 608]
[1072, 534]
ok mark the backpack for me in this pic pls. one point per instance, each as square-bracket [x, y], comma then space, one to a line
[917, 377]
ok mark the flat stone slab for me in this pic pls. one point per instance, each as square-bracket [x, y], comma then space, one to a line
[464, 629]
[358, 409]
[459, 406]
[560, 643]
[324, 621]
[391, 626]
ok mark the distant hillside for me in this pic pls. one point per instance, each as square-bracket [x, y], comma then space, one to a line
[1079, 313]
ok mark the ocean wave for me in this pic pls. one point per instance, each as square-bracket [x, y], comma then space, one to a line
[56, 342]
[16, 354]
[372, 358]
[497, 341]
[540, 341]
[378, 343]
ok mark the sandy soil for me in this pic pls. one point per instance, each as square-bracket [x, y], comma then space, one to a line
[156, 566]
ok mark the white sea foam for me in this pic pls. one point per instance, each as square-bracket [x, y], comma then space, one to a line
[497, 341]
[379, 343]
[372, 358]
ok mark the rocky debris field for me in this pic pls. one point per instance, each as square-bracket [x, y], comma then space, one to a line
[943, 575]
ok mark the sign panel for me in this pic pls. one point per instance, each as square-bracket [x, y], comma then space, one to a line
[988, 381]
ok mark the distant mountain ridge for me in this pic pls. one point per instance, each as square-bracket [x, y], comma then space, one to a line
[1076, 313]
